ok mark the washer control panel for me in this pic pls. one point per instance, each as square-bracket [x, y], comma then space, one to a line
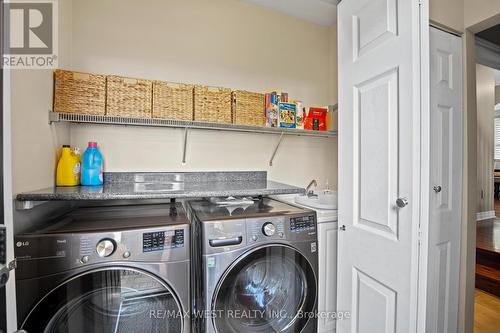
[302, 224]
[266, 229]
[39, 254]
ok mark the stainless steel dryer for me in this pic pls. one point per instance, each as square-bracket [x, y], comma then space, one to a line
[259, 267]
[106, 269]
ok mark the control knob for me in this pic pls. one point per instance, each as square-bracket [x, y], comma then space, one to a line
[105, 247]
[269, 229]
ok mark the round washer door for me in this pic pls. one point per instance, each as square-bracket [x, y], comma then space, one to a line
[108, 300]
[271, 289]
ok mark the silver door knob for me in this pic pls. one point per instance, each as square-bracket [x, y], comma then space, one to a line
[402, 202]
[437, 188]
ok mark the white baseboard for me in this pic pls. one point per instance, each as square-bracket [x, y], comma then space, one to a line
[485, 215]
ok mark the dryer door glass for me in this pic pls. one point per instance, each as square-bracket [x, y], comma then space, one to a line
[271, 289]
[110, 300]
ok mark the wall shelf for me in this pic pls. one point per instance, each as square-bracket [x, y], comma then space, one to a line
[55, 117]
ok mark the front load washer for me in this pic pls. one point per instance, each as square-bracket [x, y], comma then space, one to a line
[106, 269]
[259, 267]
[327, 256]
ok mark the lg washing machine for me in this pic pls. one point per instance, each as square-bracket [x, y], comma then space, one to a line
[106, 269]
[258, 267]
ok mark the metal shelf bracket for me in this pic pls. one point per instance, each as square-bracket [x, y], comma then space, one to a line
[184, 146]
[276, 149]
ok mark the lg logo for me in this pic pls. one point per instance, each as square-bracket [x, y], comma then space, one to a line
[21, 244]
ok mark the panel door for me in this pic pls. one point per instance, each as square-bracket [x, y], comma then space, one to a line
[379, 164]
[446, 181]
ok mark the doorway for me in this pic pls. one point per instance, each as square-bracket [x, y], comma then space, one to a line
[483, 227]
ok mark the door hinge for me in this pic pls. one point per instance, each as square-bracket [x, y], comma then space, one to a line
[5, 272]
[342, 228]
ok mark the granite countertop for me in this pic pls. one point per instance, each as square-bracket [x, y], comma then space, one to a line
[125, 185]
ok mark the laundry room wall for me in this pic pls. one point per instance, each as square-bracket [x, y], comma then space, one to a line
[219, 42]
[449, 13]
[35, 143]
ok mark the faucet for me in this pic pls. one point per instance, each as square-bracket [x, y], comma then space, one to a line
[309, 192]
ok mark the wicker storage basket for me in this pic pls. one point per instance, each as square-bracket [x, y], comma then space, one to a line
[212, 104]
[248, 108]
[172, 100]
[127, 97]
[76, 92]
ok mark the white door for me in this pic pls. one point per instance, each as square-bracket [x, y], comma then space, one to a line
[446, 182]
[327, 298]
[379, 164]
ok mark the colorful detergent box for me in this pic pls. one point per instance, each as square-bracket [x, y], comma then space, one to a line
[287, 113]
[272, 110]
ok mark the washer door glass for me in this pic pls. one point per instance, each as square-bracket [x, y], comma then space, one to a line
[110, 300]
[271, 289]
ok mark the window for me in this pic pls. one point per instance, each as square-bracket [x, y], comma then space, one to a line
[497, 139]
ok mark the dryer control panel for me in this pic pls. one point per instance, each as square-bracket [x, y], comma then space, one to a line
[161, 240]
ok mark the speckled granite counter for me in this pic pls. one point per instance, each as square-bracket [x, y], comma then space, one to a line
[125, 185]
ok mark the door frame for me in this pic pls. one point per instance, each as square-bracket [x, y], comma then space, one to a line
[469, 192]
[425, 152]
[7, 198]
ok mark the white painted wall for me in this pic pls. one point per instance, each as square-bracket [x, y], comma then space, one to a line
[477, 11]
[449, 13]
[218, 42]
[35, 143]
[485, 77]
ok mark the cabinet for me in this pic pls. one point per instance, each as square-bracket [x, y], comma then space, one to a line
[327, 294]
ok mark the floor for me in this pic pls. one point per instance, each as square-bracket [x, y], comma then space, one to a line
[486, 313]
[488, 256]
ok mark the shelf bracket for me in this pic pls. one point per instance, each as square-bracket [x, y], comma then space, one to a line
[184, 146]
[276, 149]
[53, 117]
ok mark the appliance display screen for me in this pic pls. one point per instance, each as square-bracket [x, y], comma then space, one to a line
[162, 240]
[302, 223]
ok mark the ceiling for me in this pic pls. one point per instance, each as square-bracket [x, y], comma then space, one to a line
[322, 12]
[491, 35]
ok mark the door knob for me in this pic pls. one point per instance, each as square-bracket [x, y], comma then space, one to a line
[402, 202]
[437, 188]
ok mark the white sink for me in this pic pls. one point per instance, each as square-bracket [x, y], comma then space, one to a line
[319, 201]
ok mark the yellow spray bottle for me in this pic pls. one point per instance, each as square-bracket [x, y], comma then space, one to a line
[68, 168]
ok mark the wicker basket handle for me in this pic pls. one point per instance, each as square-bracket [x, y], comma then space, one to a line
[130, 81]
[81, 76]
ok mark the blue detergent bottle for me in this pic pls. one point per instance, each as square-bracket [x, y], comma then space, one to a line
[92, 166]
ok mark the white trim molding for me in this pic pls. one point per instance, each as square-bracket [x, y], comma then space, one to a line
[480, 216]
